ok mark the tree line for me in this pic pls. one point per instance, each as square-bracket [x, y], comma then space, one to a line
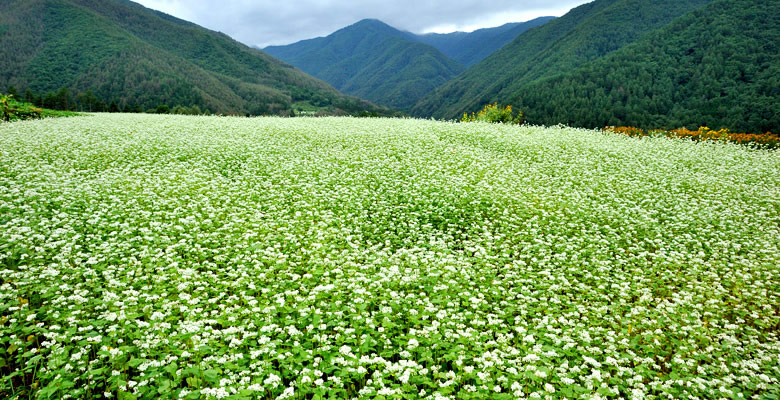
[65, 100]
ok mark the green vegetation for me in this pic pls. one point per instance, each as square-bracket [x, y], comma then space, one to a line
[717, 66]
[650, 64]
[373, 61]
[194, 110]
[167, 257]
[469, 48]
[585, 33]
[13, 110]
[493, 113]
[116, 51]
[377, 62]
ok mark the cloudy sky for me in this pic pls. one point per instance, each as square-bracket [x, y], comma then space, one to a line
[271, 22]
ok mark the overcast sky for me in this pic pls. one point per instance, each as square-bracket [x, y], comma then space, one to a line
[266, 22]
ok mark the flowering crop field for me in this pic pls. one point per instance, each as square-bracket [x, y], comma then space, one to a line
[146, 257]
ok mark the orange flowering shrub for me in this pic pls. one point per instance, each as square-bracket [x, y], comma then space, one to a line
[768, 140]
[626, 130]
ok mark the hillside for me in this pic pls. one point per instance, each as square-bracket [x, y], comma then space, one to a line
[120, 51]
[373, 61]
[469, 48]
[585, 33]
[718, 66]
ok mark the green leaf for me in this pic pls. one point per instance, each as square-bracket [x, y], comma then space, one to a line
[604, 391]
[193, 381]
[212, 375]
[171, 369]
[49, 390]
[135, 362]
[246, 394]
[126, 395]
[165, 387]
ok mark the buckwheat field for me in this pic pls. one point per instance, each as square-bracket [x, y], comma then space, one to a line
[146, 257]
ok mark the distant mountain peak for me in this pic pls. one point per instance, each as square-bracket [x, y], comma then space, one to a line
[372, 25]
[372, 60]
[375, 61]
[370, 21]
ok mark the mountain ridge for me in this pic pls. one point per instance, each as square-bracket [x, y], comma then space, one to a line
[587, 32]
[716, 66]
[124, 52]
[468, 48]
[657, 64]
[372, 60]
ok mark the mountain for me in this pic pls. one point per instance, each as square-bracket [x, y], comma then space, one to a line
[373, 61]
[718, 66]
[585, 33]
[120, 51]
[469, 48]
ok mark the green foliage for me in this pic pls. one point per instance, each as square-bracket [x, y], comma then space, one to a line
[493, 113]
[694, 63]
[11, 110]
[181, 110]
[47, 113]
[585, 33]
[373, 61]
[139, 59]
[379, 63]
[717, 66]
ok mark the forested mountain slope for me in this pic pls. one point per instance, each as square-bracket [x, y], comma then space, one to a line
[120, 51]
[718, 66]
[373, 61]
[585, 33]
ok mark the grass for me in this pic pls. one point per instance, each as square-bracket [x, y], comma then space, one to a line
[47, 113]
[149, 256]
